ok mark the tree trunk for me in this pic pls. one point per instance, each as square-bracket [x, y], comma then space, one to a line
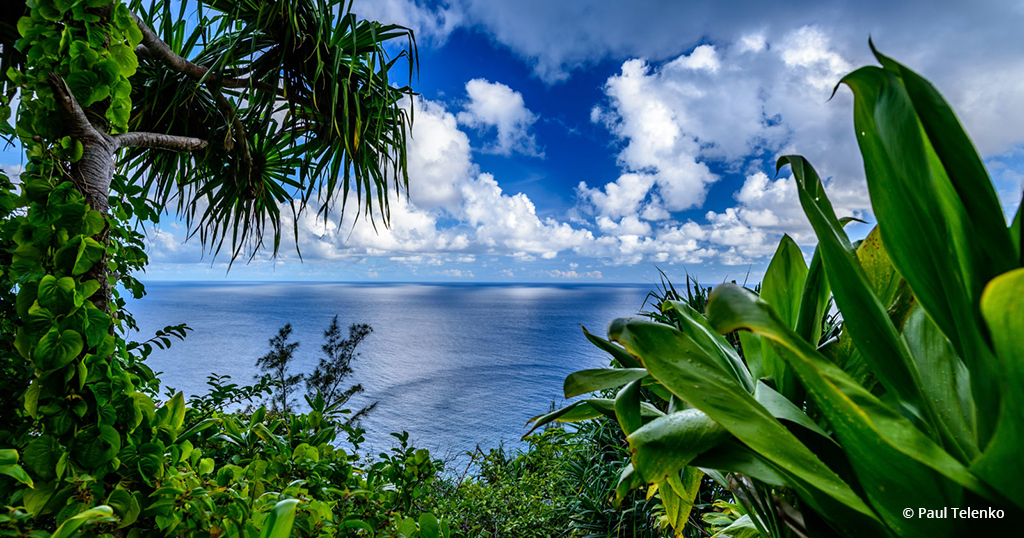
[93, 173]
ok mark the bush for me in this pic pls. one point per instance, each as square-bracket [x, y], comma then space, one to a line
[561, 484]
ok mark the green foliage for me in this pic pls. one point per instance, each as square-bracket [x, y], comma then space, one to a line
[835, 425]
[336, 365]
[326, 379]
[558, 486]
[91, 44]
[277, 363]
[86, 447]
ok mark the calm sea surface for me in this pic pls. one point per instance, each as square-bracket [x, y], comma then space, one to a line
[454, 365]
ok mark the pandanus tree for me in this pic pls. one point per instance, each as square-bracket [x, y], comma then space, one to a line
[234, 115]
[909, 422]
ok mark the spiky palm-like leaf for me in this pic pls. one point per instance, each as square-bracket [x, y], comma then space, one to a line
[296, 101]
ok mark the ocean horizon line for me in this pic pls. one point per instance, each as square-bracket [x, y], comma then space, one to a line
[402, 283]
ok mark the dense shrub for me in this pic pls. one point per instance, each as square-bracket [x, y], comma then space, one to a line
[560, 484]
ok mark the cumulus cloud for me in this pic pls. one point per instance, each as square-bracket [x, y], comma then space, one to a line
[453, 213]
[493, 105]
[986, 33]
[677, 120]
[506, 223]
[439, 158]
[671, 122]
[972, 51]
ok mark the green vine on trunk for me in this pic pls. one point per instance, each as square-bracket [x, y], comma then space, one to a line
[94, 422]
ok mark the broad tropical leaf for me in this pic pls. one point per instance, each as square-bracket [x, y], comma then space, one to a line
[894, 461]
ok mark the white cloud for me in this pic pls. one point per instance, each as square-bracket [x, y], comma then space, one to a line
[495, 105]
[439, 158]
[13, 172]
[505, 222]
[555, 273]
[630, 225]
[731, 107]
[724, 105]
[703, 57]
[430, 24]
[671, 121]
[619, 198]
[167, 244]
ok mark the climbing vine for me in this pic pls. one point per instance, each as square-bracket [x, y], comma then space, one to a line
[86, 447]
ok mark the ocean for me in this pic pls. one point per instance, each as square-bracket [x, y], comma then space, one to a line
[455, 365]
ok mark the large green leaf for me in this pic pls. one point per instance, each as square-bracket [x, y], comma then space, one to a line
[16, 472]
[963, 167]
[784, 280]
[813, 300]
[734, 456]
[750, 343]
[620, 355]
[884, 279]
[784, 409]
[743, 527]
[56, 349]
[695, 326]
[581, 410]
[586, 381]
[925, 226]
[886, 283]
[429, 527]
[694, 375]
[946, 383]
[97, 327]
[1001, 464]
[57, 294]
[70, 527]
[42, 455]
[865, 317]
[96, 445]
[79, 254]
[677, 495]
[627, 408]
[897, 464]
[782, 288]
[666, 445]
[279, 521]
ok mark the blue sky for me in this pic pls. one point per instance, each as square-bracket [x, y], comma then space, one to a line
[591, 141]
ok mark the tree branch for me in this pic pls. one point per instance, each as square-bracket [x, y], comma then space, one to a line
[138, 139]
[92, 172]
[78, 124]
[159, 50]
[154, 47]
